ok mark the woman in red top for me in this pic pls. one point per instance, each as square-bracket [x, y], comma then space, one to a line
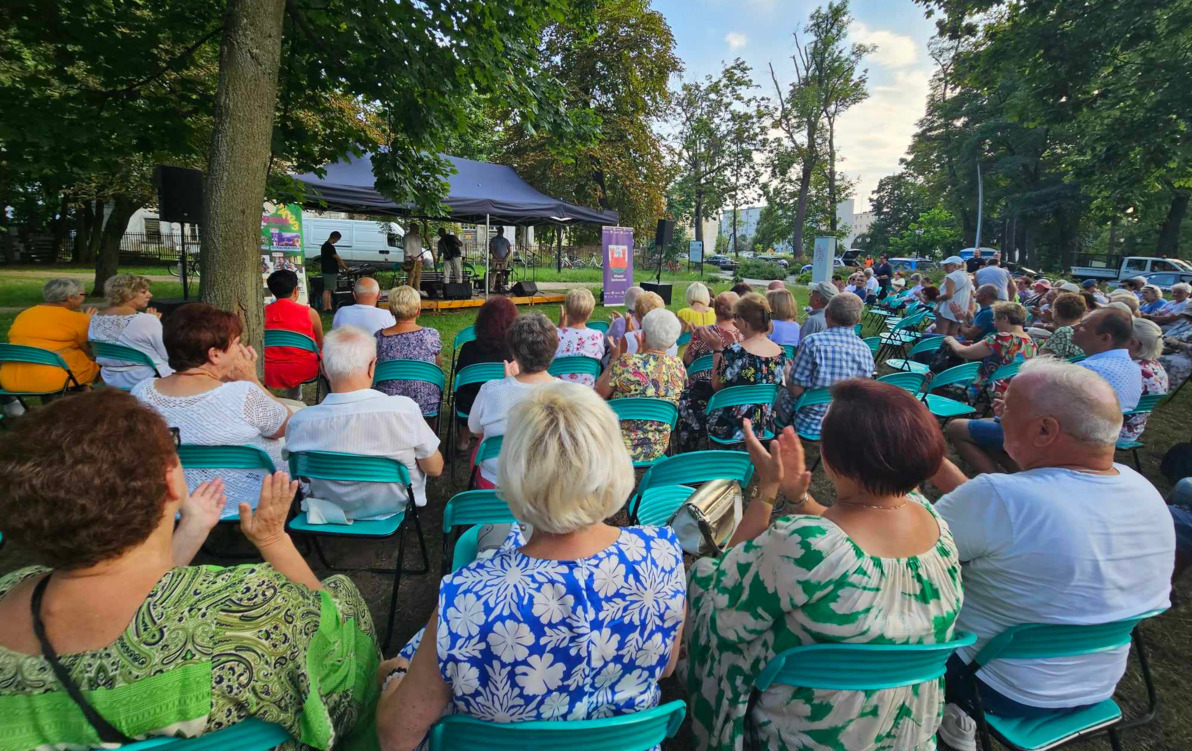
[289, 367]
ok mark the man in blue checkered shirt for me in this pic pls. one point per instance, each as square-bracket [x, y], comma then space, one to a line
[835, 354]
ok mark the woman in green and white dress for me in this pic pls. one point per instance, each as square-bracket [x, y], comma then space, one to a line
[117, 638]
[877, 567]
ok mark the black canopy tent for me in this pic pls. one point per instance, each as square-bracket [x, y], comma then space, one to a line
[479, 192]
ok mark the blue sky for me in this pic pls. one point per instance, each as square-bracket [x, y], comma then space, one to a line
[874, 134]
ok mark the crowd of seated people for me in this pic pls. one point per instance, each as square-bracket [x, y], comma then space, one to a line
[571, 618]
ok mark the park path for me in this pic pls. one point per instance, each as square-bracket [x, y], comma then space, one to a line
[51, 271]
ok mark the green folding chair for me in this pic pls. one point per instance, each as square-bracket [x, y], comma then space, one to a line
[1146, 405]
[684, 339]
[912, 382]
[692, 468]
[1077, 358]
[333, 465]
[466, 334]
[1034, 641]
[472, 375]
[20, 353]
[469, 509]
[418, 371]
[811, 398]
[860, 667]
[790, 351]
[700, 365]
[193, 456]
[284, 338]
[247, 735]
[944, 407]
[636, 731]
[650, 410]
[122, 354]
[875, 345]
[659, 504]
[561, 366]
[601, 326]
[858, 328]
[930, 344]
[900, 334]
[740, 396]
[490, 448]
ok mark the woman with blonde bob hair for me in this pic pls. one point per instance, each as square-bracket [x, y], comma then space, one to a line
[698, 311]
[517, 625]
[406, 340]
[129, 321]
[575, 338]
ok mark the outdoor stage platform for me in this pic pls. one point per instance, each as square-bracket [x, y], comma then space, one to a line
[437, 306]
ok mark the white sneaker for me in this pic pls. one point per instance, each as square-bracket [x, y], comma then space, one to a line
[958, 730]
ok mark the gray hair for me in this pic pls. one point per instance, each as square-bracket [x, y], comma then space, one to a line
[61, 289]
[868, 272]
[988, 290]
[1156, 289]
[1183, 287]
[662, 328]
[366, 285]
[347, 351]
[631, 296]
[533, 340]
[1081, 401]
[845, 309]
[1149, 337]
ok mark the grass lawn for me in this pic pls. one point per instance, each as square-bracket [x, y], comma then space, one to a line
[1169, 637]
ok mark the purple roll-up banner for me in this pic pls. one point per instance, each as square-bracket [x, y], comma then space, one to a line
[618, 263]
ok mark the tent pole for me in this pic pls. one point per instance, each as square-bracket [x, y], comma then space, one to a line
[486, 266]
[559, 250]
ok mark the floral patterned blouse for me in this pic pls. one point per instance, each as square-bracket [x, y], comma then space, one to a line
[1006, 349]
[1154, 381]
[421, 344]
[522, 638]
[580, 343]
[1061, 345]
[651, 376]
[741, 368]
[697, 349]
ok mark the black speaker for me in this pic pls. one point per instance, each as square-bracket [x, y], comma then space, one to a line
[179, 194]
[525, 289]
[663, 290]
[457, 291]
[666, 229]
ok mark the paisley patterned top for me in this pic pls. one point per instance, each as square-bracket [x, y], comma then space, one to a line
[1060, 344]
[651, 376]
[212, 646]
[800, 582]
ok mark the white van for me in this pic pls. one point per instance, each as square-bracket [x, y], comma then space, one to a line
[361, 241]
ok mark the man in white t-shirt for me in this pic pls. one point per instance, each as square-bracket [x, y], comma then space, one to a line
[1072, 539]
[364, 314]
[1001, 278]
[357, 419]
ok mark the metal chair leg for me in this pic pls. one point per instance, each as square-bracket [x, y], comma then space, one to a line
[401, 549]
[1115, 741]
[1137, 462]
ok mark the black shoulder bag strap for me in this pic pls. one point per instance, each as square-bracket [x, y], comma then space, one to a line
[107, 733]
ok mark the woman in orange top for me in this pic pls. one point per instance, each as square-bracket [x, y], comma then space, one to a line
[59, 326]
[289, 367]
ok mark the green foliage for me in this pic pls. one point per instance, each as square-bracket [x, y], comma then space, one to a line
[804, 278]
[754, 268]
[722, 244]
[897, 201]
[934, 234]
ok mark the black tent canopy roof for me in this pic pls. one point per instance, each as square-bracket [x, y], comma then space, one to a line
[479, 191]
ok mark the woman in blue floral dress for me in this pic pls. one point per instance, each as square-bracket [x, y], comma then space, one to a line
[753, 360]
[581, 622]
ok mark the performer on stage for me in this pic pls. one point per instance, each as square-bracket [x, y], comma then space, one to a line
[499, 250]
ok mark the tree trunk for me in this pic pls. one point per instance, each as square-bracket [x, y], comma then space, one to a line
[82, 232]
[736, 250]
[249, 60]
[832, 175]
[107, 262]
[809, 160]
[699, 217]
[95, 231]
[1169, 232]
[58, 226]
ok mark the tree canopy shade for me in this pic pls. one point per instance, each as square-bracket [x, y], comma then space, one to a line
[477, 190]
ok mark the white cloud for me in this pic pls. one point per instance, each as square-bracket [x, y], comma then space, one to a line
[875, 134]
[736, 40]
[893, 50]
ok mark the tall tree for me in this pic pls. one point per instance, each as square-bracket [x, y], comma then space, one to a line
[897, 201]
[717, 120]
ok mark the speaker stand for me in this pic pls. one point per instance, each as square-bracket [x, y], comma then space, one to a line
[182, 264]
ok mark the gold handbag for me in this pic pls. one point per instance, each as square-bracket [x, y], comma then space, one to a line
[707, 520]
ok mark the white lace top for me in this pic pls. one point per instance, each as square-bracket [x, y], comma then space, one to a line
[234, 414]
[140, 331]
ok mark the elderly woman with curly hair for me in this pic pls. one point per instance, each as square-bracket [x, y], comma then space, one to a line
[59, 326]
[115, 637]
[592, 620]
[130, 322]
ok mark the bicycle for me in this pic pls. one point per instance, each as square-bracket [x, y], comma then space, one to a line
[192, 267]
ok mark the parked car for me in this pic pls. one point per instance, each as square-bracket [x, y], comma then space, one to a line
[837, 263]
[1164, 280]
[911, 264]
[1117, 268]
[851, 257]
[722, 262]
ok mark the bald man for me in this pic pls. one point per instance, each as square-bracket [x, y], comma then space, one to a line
[1072, 538]
[776, 284]
[364, 314]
